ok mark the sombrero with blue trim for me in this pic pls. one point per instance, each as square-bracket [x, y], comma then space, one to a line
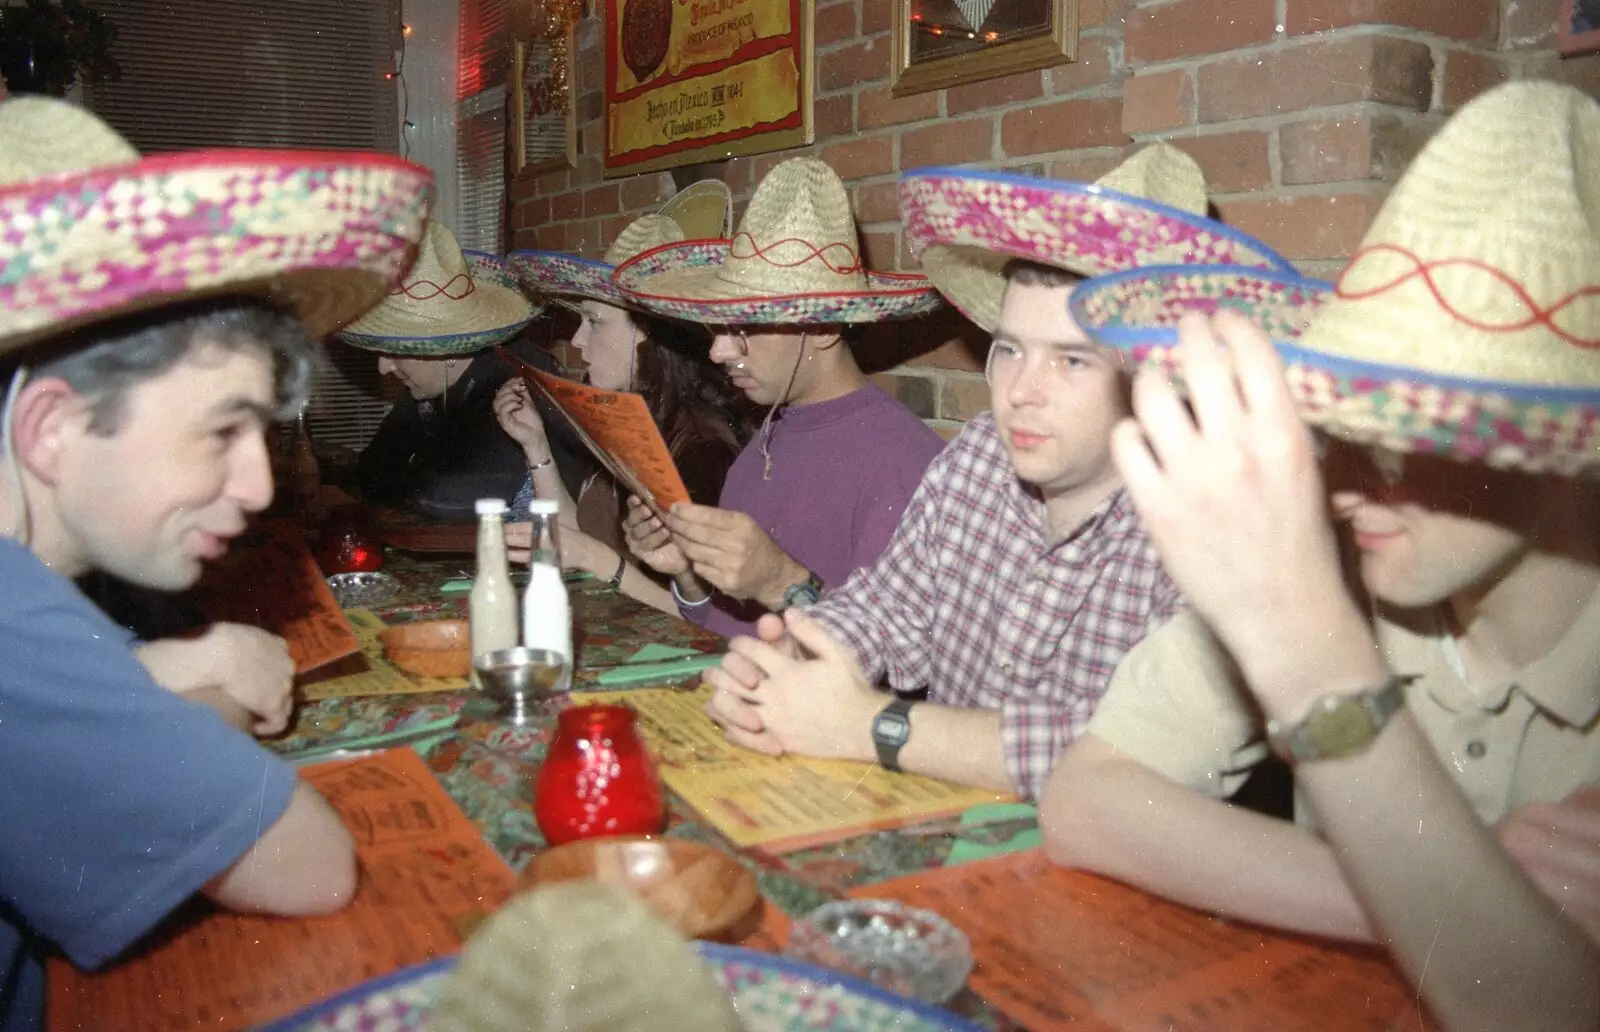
[700, 210]
[795, 260]
[1467, 325]
[89, 230]
[1150, 210]
[446, 305]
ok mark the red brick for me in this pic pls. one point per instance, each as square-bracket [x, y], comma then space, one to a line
[1317, 74]
[877, 107]
[533, 214]
[1468, 73]
[878, 202]
[1063, 125]
[1185, 28]
[844, 68]
[1086, 167]
[523, 188]
[612, 228]
[918, 393]
[590, 169]
[1307, 227]
[1458, 19]
[834, 116]
[1232, 162]
[554, 182]
[551, 238]
[1582, 72]
[948, 143]
[880, 248]
[1529, 24]
[641, 191]
[963, 397]
[601, 200]
[861, 159]
[1152, 103]
[521, 239]
[835, 23]
[993, 93]
[1092, 68]
[1095, 13]
[566, 206]
[587, 238]
[592, 137]
[876, 16]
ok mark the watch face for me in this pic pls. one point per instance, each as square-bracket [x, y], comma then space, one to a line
[801, 595]
[1341, 729]
[891, 729]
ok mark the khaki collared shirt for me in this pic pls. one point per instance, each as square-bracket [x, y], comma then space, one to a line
[1176, 705]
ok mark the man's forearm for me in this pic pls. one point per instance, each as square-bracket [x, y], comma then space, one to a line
[1485, 947]
[956, 744]
[1105, 812]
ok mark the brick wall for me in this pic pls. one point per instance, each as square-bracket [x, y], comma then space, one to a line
[1301, 112]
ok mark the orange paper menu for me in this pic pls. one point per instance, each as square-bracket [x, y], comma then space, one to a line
[270, 580]
[777, 804]
[1058, 949]
[424, 868]
[617, 428]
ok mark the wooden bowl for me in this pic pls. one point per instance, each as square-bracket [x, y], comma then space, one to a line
[430, 648]
[703, 891]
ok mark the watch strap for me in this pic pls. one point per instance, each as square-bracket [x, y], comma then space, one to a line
[897, 712]
[1340, 725]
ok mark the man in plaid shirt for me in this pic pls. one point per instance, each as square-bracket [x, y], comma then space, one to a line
[1017, 579]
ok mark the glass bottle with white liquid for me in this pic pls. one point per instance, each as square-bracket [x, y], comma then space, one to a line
[492, 605]
[546, 609]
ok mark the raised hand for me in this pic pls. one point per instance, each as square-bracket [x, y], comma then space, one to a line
[520, 419]
[729, 550]
[651, 542]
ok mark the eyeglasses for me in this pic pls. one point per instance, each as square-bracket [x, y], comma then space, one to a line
[740, 342]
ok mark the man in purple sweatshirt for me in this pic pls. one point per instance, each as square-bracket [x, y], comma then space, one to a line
[819, 491]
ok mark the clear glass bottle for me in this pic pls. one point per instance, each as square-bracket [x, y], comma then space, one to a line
[546, 609]
[492, 605]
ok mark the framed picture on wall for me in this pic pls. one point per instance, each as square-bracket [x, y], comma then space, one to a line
[1578, 31]
[936, 44]
[544, 117]
[704, 80]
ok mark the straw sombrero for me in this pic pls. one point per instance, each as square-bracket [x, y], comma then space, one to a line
[89, 230]
[1467, 325]
[794, 260]
[700, 210]
[1150, 210]
[445, 305]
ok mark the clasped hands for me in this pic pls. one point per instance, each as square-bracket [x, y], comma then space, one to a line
[794, 688]
[721, 547]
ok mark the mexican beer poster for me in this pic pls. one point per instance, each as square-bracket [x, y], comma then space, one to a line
[690, 81]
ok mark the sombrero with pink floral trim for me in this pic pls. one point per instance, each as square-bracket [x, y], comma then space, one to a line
[966, 225]
[89, 230]
[795, 260]
[1467, 325]
[700, 210]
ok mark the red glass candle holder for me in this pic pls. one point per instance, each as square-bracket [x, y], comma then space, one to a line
[598, 779]
[349, 542]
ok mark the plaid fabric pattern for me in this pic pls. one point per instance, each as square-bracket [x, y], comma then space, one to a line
[972, 600]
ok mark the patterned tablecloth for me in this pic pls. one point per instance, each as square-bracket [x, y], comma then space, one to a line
[489, 771]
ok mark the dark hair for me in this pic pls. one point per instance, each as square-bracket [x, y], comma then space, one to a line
[1034, 274]
[104, 361]
[687, 398]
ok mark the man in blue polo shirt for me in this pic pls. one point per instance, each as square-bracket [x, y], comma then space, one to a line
[153, 318]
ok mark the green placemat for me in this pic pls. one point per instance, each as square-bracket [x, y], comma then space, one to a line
[988, 813]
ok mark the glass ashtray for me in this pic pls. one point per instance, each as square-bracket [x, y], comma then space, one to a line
[358, 590]
[906, 950]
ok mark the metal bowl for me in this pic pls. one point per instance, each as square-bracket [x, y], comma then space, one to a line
[906, 950]
[360, 590]
[518, 679]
